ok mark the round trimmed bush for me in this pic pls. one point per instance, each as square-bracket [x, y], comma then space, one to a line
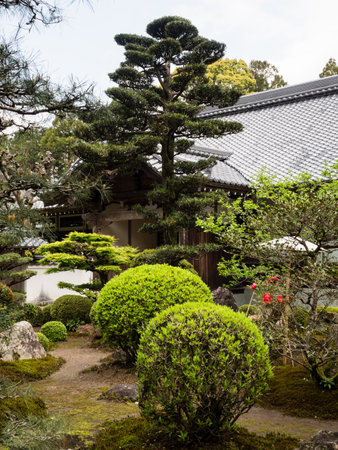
[128, 301]
[200, 366]
[93, 315]
[44, 341]
[253, 310]
[71, 307]
[54, 331]
[46, 314]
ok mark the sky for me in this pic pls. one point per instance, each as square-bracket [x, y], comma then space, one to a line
[297, 36]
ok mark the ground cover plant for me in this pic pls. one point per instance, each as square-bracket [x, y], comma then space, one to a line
[30, 369]
[128, 301]
[200, 366]
[24, 423]
[136, 433]
[293, 391]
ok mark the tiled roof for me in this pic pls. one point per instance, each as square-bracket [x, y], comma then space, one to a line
[220, 173]
[288, 129]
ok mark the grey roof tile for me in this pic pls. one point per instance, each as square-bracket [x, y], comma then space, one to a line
[297, 133]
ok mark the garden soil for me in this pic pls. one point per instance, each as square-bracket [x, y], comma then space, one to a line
[74, 395]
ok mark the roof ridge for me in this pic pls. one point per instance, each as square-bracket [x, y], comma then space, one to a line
[270, 97]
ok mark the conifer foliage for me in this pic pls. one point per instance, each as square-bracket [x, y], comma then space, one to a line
[161, 89]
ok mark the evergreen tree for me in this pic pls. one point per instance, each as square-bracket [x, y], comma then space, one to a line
[266, 76]
[161, 89]
[330, 68]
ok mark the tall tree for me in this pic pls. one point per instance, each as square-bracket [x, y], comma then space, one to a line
[330, 68]
[266, 76]
[161, 88]
[232, 73]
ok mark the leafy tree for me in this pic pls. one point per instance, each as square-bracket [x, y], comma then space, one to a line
[330, 68]
[161, 88]
[268, 235]
[232, 73]
[266, 76]
[86, 251]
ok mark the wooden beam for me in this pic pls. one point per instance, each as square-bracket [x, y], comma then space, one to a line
[107, 217]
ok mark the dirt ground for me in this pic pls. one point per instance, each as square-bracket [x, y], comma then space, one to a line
[74, 395]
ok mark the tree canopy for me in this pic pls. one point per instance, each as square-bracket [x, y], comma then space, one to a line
[285, 231]
[161, 89]
[330, 68]
[232, 73]
[266, 75]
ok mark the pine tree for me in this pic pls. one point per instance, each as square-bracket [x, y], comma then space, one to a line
[161, 89]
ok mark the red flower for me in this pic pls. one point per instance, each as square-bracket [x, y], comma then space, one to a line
[267, 298]
[253, 286]
[273, 279]
[280, 299]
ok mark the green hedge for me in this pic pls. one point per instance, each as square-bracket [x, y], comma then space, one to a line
[70, 308]
[54, 331]
[200, 366]
[44, 341]
[128, 301]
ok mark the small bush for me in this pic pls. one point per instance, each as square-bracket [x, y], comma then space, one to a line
[298, 317]
[46, 314]
[128, 301]
[253, 310]
[55, 331]
[71, 307]
[44, 341]
[6, 295]
[200, 366]
[33, 314]
[93, 315]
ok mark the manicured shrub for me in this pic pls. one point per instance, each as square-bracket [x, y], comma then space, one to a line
[44, 341]
[93, 315]
[128, 301]
[68, 308]
[54, 331]
[200, 366]
[253, 310]
[46, 314]
[6, 295]
[33, 314]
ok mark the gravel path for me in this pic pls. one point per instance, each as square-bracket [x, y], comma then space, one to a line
[75, 395]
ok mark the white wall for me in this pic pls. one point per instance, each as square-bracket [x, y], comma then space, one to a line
[43, 287]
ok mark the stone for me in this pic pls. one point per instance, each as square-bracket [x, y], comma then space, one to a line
[223, 296]
[20, 342]
[85, 330]
[124, 391]
[324, 440]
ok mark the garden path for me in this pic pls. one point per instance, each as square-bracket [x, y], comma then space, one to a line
[74, 395]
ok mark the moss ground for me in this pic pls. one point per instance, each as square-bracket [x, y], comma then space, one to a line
[135, 434]
[293, 391]
[75, 395]
[30, 369]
